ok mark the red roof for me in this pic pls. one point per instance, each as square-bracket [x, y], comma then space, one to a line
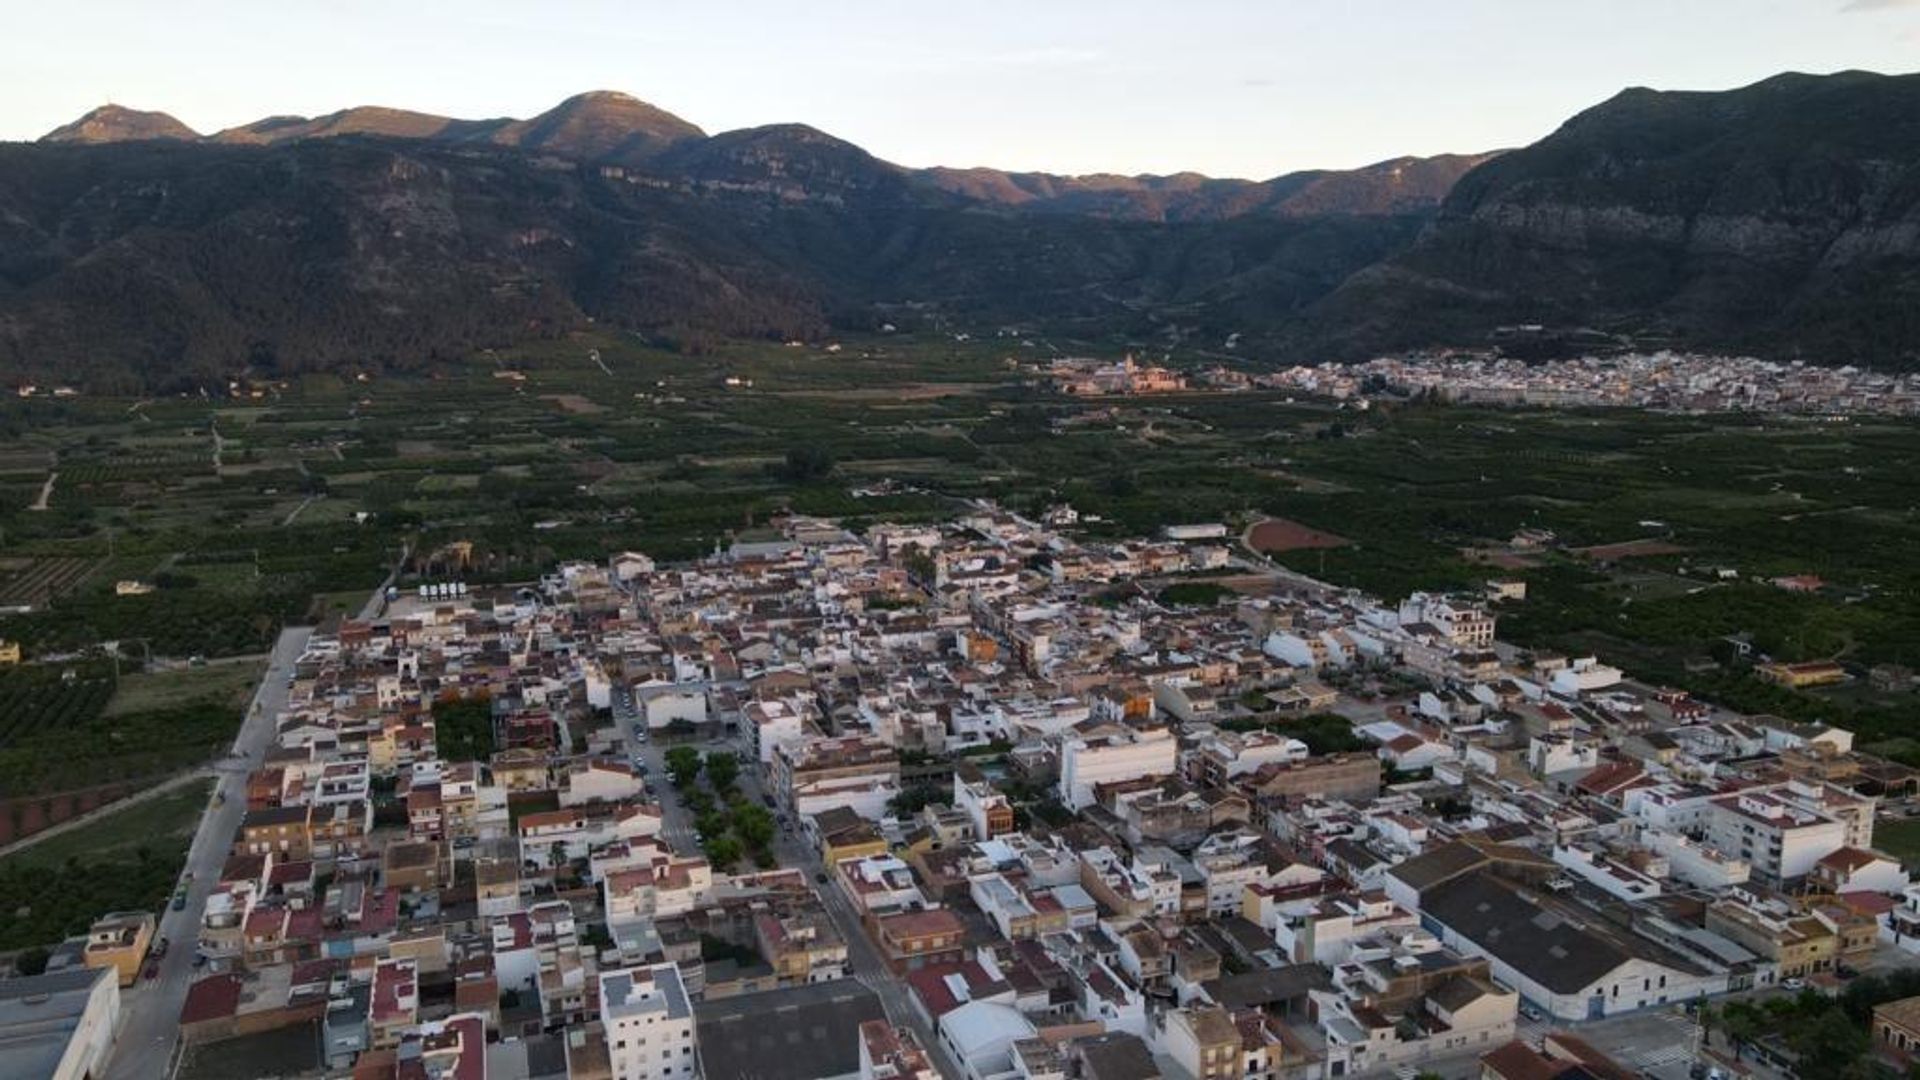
[212, 998]
[1869, 903]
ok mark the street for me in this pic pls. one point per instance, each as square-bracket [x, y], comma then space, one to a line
[790, 849]
[150, 1010]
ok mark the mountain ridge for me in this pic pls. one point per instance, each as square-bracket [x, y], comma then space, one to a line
[609, 127]
[1781, 219]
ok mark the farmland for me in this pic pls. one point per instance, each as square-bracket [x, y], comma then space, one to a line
[1665, 528]
[124, 861]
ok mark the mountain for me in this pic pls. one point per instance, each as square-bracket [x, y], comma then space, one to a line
[114, 123]
[1402, 185]
[363, 120]
[605, 127]
[166, 264]
[600, 126]
[1781, 218]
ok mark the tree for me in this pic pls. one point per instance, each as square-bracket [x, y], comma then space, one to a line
[723, 851]
[1742, 1023]
[722, 770]
[912, 800]
[32, 961]
[683, 765]
[1828, 1046]
[807, 464]
[698, 801]
[754, 826]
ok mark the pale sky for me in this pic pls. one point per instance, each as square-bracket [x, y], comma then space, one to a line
[1226, 87]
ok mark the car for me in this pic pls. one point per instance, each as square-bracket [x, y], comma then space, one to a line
[1532, 1013]
[820, 877]
[153, 970]
[199, 960]
[1794, 983]
[1697, 1071]
[160, 948]
[180, 900]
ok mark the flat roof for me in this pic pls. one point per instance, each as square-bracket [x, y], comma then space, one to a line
[38, 1016]
[795, 1033]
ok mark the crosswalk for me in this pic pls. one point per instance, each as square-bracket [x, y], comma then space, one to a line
[1662, 1056]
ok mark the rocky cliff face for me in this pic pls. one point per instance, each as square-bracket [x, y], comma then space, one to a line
[1782, 218]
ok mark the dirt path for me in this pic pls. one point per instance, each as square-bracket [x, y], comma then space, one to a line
[99, 812]
[46, 492]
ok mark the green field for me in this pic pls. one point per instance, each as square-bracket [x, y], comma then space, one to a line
[539, 454]
[123, 861]
[229, 682]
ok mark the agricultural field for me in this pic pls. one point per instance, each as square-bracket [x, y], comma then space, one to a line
[71, 726]
[34, 582]
[1666, 529]
[126, 860]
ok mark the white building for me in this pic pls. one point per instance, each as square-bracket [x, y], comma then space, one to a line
[772, 724]
[1123, 755]
[1780, 839]
[989, 811]
[662, 705]
[980, 1036]
[1584, 676]
[649, 1024]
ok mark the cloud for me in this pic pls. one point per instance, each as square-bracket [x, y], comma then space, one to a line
[1877, 5]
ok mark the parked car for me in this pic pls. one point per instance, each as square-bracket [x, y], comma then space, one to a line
[820, 877]
[160, 948]
[153, 970]
[1794, 983]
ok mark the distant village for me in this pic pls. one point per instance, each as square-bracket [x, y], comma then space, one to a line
[1662, 380]
[1027, 820]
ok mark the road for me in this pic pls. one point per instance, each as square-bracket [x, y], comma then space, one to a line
[378, 600]
[150, 1011]
[789, 849]
[1253, 560]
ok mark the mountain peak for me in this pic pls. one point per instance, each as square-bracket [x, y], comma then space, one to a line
[599, 125]
[117, 123]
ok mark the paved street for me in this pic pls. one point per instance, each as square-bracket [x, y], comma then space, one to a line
[789, 849]
[150, 1011]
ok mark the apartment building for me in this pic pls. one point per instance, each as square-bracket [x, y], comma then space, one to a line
[1781, 840]
[1115, 754]
[649, 1025]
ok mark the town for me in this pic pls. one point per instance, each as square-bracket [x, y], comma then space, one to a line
[1682, 382]
[975, 799]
